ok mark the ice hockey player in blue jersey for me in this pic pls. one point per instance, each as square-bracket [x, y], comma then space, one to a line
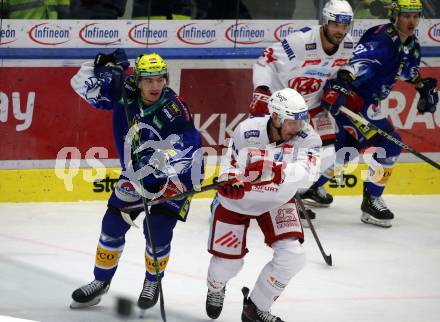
[384, 54]
[166, 154]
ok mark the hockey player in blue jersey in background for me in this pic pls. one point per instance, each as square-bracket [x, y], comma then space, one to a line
[170, 158]
[384, 54]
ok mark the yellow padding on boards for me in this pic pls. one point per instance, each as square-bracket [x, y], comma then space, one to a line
[162, 261]
[37, 185]
[107, 258]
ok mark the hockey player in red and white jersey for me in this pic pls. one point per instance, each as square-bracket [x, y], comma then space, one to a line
[304, 61]
[269, 158]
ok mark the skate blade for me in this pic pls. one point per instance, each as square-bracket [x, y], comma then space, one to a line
[77, 305]
[315, 204]
[368, 219]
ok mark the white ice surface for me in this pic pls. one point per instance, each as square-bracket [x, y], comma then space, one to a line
[388, 275]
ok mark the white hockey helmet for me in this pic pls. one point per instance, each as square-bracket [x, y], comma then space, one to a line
[338, 11]
[288, 104]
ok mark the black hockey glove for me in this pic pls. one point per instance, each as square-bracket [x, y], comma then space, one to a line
[335, 94]
[130, 87]
[118, 57]
[427, 88]
[111, 65]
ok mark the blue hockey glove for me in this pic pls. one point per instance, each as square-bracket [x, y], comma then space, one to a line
[335, 95]
[427, 88]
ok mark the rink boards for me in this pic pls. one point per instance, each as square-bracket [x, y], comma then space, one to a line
[30, 185]
[44, 122]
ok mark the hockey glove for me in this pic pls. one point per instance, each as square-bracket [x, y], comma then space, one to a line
[427, 88]
[264, 172]
[111, 65]
[232, 186]
[335, 95]
[258, 106]
[172, 188]
[234, 190]
[118, 57]
[354, 101]
[130, 87]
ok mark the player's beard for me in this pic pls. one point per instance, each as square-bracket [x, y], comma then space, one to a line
[332, 39]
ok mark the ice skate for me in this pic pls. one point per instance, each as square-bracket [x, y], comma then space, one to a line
[89, 295]
[253, 314]
[214, 303]
[149, 294]
[317, 197]
[375, 211]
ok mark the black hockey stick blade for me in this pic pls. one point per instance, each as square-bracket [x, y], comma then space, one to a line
[162, 303]
[327, 258]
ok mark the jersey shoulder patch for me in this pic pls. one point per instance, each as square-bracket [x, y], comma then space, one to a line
[305, 29]
[302, 134]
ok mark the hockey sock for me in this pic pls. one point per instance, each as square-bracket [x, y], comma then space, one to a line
[111, 244]
[163, 255]
[221, 270]
[288, 259]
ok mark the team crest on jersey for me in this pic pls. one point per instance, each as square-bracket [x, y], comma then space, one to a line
[252, 134]
[311, 46]
[305, 85]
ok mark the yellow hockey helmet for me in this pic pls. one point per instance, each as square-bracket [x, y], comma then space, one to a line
[407, 6]
[150, 65]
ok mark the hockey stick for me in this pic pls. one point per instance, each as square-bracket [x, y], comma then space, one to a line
[363, 121]
[327, 258]
[147, 215]
[125, 212]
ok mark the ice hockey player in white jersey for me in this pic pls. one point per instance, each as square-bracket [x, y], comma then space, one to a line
[269, 158]
[304, 61]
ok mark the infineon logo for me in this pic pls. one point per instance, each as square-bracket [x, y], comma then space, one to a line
[243, 33]
[283, 31]
[357, 32]
[193, 34]
[434, 32]
[144, 35]
[7, 35]
[49, 34]
[97, 34]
